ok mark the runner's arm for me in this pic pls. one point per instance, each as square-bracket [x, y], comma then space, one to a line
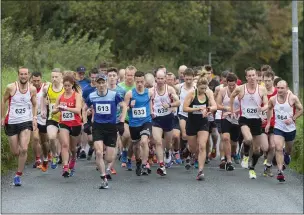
[34, 101]
[212, 103]
[219, 101]
[299, 108]
[216, 91]
[128, 99]
[56, 108]
[264, 99]
[5, 98]
[124, 108]
[234, 94]
[270, 110]
[189, 98]
[174, 96]
[43, 98]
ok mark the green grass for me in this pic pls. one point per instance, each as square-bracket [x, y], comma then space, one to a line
[297, 161]
[8, 161]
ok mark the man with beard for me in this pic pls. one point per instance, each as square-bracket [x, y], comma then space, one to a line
[21, 117]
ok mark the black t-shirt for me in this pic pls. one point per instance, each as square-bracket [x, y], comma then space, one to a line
[213, 84]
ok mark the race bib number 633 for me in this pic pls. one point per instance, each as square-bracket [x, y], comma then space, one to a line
[139, 112]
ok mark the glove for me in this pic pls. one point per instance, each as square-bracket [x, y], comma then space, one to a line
[121, 128]
[87, 128]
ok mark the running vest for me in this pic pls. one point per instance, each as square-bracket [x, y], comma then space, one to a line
[196, 118]
[66, 117]
[158, 100]
[236, 106]
[250, 103]
[20, 107]
[40, 120]
[126, 88]
[140, 113]
[218, 113]
[105, 107]
[182, 96]
[52, 95]
[264, 113]
[121, 92]
[282, 112]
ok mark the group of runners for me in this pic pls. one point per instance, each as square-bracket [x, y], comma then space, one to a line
[151, 118]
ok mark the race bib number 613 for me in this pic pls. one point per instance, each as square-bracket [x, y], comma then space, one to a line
[103, 108]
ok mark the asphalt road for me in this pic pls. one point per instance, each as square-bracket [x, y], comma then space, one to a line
[178, 192]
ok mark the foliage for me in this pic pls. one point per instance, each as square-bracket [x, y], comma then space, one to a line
[297, 160]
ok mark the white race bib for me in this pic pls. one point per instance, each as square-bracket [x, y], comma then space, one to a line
[198, 106]
[139, 112]
[103, 108]
[251, 111]
[67, 116]
[161, 111]
[21, 111]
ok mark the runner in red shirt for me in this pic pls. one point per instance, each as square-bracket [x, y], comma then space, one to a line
[69, 104]
[267, 142]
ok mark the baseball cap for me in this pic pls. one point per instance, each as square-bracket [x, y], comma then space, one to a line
[81, 69]
[101, 76]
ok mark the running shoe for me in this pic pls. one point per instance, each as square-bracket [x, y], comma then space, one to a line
[237, 158]
[37, 164]
[148, 168]
[66, 173]
[138, 170]
[229, 167]
[280, 177]
[245, 161]
[17, 181]
[54, 162]
[161, 171]
[129, 165]
[82, 155]
[90, 153]
[267, 171]
[200, 176]
[104, 184]
[144, 170]
[252, 174]
[108, 174]
[222, 164]
[124, 155]
[44, 166]
[188, 164]
[287, 159]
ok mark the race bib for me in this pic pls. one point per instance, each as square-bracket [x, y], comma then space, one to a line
[67, 116]
[162, 111]
[103, 108]
[20, 111]
[198, 106]
[281, 117]
[251, 112]
[139, 112]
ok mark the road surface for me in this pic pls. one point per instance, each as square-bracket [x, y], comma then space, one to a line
[178, 192]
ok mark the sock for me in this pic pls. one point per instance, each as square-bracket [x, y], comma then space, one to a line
[255, 158]
[161, 164]
[18, 173]
[246, 149]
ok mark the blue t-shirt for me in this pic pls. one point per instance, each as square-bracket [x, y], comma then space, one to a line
[140, 113]
[121, 92]
[83, 83]
[86, 91]
[105, 107]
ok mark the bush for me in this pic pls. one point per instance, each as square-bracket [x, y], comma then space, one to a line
[297, 160]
